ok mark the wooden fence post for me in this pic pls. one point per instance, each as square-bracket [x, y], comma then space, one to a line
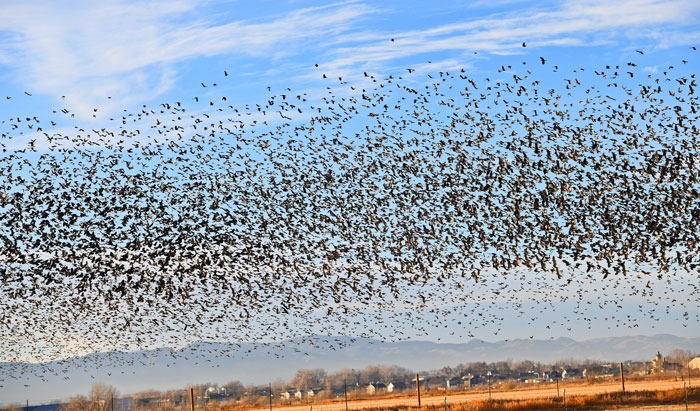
[418, 388]
[622, 375]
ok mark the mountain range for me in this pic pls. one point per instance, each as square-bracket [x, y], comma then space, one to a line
[213, 362]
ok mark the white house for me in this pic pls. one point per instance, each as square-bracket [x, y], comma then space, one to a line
[374, 387]
[695, 363]
[396, 386]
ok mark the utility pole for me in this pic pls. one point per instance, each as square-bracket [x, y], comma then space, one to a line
[192, 398]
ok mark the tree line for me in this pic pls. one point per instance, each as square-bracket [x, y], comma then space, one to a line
[324, 384]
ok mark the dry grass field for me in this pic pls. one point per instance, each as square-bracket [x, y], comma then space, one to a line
[647, 395]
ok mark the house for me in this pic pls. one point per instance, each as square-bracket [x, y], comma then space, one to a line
[600, 371]
[215, 393]
[529, 377]
[47, 407]
[454, 383]
[636, 368]
[376, 387]
[339, 392]
[469, 381]
[428, 382]
[396, 386]
[259, 391]
[659, 364]
[552, 375]
[694, 363]
[570, 373]
[485, 378]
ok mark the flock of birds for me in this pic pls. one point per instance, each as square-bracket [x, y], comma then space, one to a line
[384, 207]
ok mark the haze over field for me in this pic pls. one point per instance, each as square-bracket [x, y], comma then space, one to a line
[219, 363]
[258, 171]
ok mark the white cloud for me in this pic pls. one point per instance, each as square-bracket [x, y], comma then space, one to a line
[130, 50]
[127, 50]
[574, 23]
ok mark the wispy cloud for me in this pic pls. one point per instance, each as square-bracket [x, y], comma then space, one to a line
[128, 50]
[572, 23]
[131, 50]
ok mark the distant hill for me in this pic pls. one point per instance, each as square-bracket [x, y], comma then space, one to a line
[204, 362]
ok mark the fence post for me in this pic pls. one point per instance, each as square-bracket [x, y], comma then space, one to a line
[418, 388]
[622, 374]
[345, 389]
[564, 399]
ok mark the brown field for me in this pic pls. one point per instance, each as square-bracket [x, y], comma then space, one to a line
[646, 395]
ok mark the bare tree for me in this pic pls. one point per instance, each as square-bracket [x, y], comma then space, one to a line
[77, 403]
[681, 357]
[308, 378]
[279, 386]
[345, 377]
[503, 367]
[447, 372]
[370, 374]
[477, 368]
[175, 397]
[235, 389]
[101, 396]
[392, 373]
[525, 366]
[144, 398]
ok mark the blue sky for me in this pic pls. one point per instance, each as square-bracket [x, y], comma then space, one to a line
[96, 59]
[159, 51]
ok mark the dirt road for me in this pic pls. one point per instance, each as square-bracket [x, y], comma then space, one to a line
[538, 391]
